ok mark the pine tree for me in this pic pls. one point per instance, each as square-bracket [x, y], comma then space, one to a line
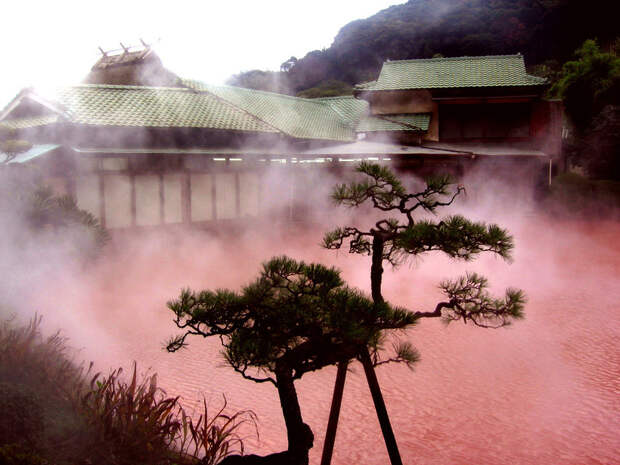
[293, 319]
[397, 239]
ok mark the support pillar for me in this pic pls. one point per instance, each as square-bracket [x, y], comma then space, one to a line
[334, 413]
[377, 397]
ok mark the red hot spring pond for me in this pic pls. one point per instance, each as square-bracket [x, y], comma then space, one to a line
[544, 391]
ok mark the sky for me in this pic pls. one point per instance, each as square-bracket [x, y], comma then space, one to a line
[47, 44]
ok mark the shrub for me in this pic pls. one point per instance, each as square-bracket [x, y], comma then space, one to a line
[104, 420]
[21, 420]
[141, 424]
[15, 454]
[576, 195]
[135, 418]
[211, 438]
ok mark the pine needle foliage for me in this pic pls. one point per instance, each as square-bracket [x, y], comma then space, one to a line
[401, 236]
[405, 236]
[294, 314]
[295, 318]
[62, 213]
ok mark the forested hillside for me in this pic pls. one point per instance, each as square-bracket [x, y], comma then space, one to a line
[545, 31]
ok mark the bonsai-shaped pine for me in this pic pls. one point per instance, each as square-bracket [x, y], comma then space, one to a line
[293, 319]
[395, 239]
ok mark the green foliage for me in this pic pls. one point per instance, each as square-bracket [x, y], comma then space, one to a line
[590, 88]
[327, 88]
[472, 302]
[135, 418]
[62, 213]
[456, 236]
[404, 352]
[549, 69]
[52, 414]
[397, 239]
[293, 319]
[382, 187]
[270, 81]
[295, 314]
[28, 358]
[589, 83]
[40, 369]
[36, 218]
[599, 152]
[22, 415]
[15, 454]
[141, 424]
[210, 438]
[572, 194]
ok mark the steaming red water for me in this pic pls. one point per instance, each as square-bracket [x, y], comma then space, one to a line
[545, 391]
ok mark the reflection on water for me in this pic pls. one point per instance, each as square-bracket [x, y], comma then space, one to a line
[545, 391]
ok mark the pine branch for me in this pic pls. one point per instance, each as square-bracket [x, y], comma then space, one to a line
[470, 301]
[456, 236]
[295, 315]
[404, 353]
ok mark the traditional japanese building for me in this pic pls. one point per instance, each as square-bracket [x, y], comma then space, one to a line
[138, 146]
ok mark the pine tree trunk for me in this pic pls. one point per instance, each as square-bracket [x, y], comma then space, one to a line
[300, 438]
[376, 269]
[376, 278]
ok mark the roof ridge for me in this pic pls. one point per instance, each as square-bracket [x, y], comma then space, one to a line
[334, 97]
[314, 102]
[386, 118]
[339, 113]
[464, 57]
[245, 89]
[256, 91]
[402, 123]
[392, 115]
[174, 106]
[125, 86]
[228, 102]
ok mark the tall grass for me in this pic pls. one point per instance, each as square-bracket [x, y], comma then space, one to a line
[212, 437]
[95, 419]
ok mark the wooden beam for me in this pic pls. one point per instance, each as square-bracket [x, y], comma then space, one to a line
[382, 415]
[334, 413]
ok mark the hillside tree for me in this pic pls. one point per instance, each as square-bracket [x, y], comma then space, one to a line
[590, 89]
[588, 83]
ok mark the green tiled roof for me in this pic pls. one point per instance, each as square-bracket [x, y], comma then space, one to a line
[298, 117]
[23, 123]
[164, 107]
[435, 73]
[349, 108]
[402, 122]
[154, 107]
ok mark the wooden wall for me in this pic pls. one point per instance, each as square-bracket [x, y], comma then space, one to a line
[407, 101]
[122, 197]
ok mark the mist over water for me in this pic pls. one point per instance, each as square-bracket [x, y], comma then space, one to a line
[544, 391]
